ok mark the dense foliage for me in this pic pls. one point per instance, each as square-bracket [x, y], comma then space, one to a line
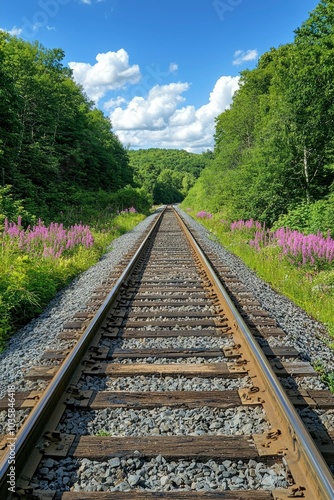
[167, 174]
[273, 162]
[56, 150]
[274, 148]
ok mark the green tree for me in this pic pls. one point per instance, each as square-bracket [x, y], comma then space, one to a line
[274, 147]
[183, 167]
[54, 142]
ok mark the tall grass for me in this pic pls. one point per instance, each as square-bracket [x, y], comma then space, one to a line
[36, 262]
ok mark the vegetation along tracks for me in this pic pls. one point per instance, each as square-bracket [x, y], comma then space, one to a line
[169, 392]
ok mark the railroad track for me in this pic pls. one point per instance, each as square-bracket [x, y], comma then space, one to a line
[167, 391]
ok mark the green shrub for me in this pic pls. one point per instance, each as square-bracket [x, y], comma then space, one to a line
[12, 209]
[310, 217]
[131, 197]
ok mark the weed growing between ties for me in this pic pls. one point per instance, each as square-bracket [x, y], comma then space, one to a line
[299, 266]
[38, 261]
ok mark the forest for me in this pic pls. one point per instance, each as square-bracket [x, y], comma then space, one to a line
[167, 174]
[274, 148]
[57, 151]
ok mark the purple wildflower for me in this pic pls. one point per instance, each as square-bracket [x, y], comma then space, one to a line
[204, 215]
[49, 241]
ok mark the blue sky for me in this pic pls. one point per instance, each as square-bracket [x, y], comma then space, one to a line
[161, 70]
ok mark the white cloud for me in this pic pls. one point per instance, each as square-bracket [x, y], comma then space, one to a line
[173, 67]
[220, 98]
[111, 72]
[158, 120]
[114, 103]
[152, 113]
[183, 116]
[14, 31]
[240, 56]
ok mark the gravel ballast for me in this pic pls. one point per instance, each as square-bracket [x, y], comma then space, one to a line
[165, 421]
[161, 343]
[159, 474]
[155, 383]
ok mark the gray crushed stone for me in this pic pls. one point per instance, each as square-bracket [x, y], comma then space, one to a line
[155, 383]
[165, 421]
[159, 474]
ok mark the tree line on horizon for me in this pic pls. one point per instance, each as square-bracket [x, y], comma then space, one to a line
[167, 174]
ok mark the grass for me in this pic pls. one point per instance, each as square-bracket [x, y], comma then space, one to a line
[28, 281]
[328, 378]
[103, 433]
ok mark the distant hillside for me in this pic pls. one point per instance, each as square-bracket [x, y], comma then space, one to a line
[167, 174]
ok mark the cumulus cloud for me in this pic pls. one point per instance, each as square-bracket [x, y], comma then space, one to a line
[241, 56]
[111, 72]
[114, 103]
[158, 120]
[152, 112]
[220, 98]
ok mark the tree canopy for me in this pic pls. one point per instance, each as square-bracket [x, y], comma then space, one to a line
[53, 142]
[274, 146]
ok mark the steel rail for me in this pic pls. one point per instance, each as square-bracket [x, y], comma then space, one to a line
[316, 467]
[30, 432]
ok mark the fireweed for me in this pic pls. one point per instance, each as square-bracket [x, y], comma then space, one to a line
[38, 261]
[44, 241]
[204, 215]
[130, 210]
[300, 249]
[309, 286]
[248, 224]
